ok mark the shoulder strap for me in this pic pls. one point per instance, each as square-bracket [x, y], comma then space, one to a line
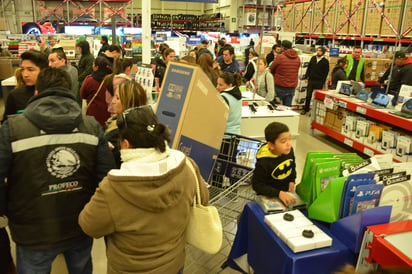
[197, 196]
[94, 96]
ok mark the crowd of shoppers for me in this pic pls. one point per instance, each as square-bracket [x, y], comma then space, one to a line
[115, 158]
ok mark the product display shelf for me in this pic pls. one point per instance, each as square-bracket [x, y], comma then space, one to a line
[346, 140]
[255, 17]
[376, 114]
[344, 20]
[355, 38]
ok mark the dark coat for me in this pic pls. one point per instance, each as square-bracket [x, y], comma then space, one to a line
[401, 75]
[85, 66]
[338, 74]
[317, 71]
[160, 68]
[17, 100]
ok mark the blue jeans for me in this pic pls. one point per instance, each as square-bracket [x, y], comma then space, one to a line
[78, 258]
[285, 95]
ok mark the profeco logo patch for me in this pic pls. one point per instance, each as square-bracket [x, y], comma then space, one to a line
[62, 162]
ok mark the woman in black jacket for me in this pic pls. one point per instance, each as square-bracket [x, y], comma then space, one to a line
[338, 72]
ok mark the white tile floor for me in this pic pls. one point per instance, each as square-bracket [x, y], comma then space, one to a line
[196, 261]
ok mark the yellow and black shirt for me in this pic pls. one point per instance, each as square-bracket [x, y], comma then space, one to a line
[273, 173]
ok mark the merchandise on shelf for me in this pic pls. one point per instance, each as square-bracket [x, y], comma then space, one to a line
[371, 131]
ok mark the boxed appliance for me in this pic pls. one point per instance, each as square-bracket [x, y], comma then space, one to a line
[195, 113]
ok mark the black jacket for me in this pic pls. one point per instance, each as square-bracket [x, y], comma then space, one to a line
[102, 50]
[317, 71]
[401, 75]
[338, 74]
[270, 57]
[160, 68]
[64, 156]
[273, 173]
[17, 100]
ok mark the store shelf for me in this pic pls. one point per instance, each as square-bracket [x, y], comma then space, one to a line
[257, 17]
[354, 38]
[368, 111]
[344, 20]
[346, 140]
[265, 28]
[294, 2]
[258, 7]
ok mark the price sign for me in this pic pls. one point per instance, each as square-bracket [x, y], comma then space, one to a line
[361, 110]
[329, 102]
[348, 142]
[368, 152]
[342, 104]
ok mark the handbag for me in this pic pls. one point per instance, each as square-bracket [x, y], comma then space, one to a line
[204, 230]
[94, 96]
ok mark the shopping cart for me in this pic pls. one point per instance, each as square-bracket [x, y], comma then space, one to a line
[230, 189]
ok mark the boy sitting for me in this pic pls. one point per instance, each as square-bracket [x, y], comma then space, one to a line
[275, 170]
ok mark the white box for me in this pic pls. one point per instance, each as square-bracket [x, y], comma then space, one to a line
[388, 140]
[403, 148]
[291, 232]
[349, 126]
[362, 131]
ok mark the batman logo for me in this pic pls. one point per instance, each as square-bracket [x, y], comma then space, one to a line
[283, 170]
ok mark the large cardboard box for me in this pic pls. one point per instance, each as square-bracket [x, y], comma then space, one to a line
[8, 66]
[334, 119]
[373, 20]
[195, 112]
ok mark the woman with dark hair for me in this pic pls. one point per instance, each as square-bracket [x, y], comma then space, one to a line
[85, 64]
[228, 86]
[143, 208]
[94, 91]
[167, 55]
[250, 69]
[206, 63]
[338, 72]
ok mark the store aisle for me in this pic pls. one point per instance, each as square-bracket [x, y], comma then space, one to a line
[196, 261]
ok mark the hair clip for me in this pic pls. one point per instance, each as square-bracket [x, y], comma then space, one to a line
[150, 128]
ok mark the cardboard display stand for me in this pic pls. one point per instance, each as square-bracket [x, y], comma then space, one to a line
[195, 113]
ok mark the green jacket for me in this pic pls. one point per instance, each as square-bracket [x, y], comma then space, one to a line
[359, 68]
[85, 67]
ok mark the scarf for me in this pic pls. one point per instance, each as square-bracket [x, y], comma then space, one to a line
[143, 155]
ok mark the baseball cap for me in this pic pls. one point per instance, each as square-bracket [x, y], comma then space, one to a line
[400, 54]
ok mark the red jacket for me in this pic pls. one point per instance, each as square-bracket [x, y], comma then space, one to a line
[285, 69]
[98, 108]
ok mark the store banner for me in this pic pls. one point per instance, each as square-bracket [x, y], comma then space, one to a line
[198, 1]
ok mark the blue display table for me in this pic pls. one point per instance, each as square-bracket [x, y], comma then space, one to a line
[267, 253]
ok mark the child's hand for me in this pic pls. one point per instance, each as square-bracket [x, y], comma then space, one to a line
[286, 198]
[292, 187]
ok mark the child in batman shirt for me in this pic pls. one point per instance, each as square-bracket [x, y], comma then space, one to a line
[275, 170]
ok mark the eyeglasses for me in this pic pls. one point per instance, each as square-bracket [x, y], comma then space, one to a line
[133, 109]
